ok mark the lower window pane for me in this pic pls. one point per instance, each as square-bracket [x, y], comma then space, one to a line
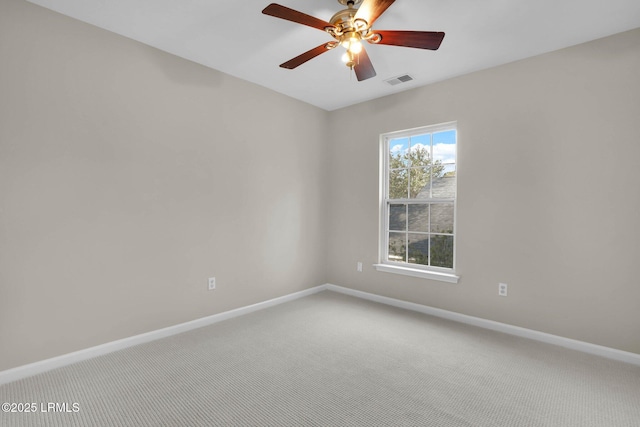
[442, 251]
[442, 218]
[398, 217]
[397, 247]
[418, 249]
[419, 218]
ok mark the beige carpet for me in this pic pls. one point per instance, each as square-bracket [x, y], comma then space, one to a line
[333, 360]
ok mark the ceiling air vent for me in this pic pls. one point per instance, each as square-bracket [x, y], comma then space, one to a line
[400, 79]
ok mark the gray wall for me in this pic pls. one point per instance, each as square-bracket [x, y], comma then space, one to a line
[549, 168]
[129, 176]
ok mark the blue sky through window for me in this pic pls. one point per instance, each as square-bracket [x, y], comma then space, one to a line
[444, 146]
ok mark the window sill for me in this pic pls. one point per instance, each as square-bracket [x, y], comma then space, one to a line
[414, 272]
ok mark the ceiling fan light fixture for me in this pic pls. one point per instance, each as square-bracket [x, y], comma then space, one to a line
[355, 47]
[349, 59]
[351, 42]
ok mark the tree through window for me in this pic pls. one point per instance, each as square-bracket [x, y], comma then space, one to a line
[419, 190]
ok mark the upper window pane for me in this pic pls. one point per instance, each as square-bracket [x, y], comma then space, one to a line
[444, 157]
[444, 185]
[444, 147]
[422, 166]
[398, 153]
[420, 150]
[420, 182]
[398, 183]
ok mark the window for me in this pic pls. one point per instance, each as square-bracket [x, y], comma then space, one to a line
[418, 202]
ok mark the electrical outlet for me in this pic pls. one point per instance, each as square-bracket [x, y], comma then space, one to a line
[359, 267]
[502, 289]
[212, 283]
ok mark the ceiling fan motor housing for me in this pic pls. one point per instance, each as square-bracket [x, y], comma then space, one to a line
[344, 25]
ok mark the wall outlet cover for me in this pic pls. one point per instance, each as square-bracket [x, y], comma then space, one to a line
[502, 289]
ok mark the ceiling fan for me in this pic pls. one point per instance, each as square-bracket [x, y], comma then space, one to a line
[349, 27]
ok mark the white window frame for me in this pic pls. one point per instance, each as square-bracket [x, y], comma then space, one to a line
[408, 269]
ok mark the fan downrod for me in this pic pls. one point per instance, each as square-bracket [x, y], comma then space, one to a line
[346, 2]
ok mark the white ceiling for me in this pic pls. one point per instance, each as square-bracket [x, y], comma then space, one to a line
[233, 36]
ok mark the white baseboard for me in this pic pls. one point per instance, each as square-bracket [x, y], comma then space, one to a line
[585, 347]
[31, 369]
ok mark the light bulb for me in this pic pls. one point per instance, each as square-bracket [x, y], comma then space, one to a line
[351, 42]
[355, 46]
[347, 58]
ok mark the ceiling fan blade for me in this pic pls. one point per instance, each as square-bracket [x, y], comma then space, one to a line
[364, 68]
[301, 59]
[418, 39]
[284, 12]
[370, 10]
